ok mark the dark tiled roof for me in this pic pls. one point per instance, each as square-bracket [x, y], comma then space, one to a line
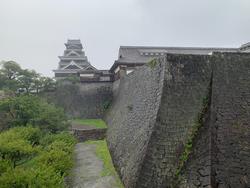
[74, 41]
[142, 54]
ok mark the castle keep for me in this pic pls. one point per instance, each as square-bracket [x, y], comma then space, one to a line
[75, 63]
[182, 120]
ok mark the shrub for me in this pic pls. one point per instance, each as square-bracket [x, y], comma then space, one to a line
[16, 144]
[4, 166]
[59, 160]
[29, 133]
[27, 109]
[34, 178]
[29, 160]
[63, 136]
[60, 145]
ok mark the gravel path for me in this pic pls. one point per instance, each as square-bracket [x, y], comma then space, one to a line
[87, 170]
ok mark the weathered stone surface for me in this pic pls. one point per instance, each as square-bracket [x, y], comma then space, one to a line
[86, 100]
[131, 120]
[89, 134]
[155, 110]
[230, 119]
[186, 82]
[87, 171]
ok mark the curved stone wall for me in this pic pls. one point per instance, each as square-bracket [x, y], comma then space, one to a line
[184, 123]
[131, 119]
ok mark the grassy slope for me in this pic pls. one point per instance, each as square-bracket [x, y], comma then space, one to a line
[98, 123]
[102, 152]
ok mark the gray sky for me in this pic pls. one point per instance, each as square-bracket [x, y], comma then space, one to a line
[33, 32]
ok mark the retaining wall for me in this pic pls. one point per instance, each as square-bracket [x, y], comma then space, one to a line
[131, 120]
[83, 100]
[156, 110]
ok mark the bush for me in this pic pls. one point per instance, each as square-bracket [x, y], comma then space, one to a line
[63, 136]
[59, 160]
[50, 118]
[4, 166]
[27, 109]
[34, 178]
[29, 133]
[60, 145]
[31, 158]
[16, 144]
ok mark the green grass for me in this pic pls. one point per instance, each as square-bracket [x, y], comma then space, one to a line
[97, 123]
[102, 153]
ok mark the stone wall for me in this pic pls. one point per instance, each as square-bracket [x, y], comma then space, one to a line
[83, 100]
[231, 120]
[186, 84]
[192, 104]
[89, 134]
[131, 120]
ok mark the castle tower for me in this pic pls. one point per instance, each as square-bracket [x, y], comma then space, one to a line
[73, 60]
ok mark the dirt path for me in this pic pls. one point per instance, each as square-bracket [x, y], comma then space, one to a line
[87, 170]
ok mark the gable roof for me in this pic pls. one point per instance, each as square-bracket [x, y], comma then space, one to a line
[72, 52]
[72, 64]
[90, 67]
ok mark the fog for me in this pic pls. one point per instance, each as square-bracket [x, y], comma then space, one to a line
[33, 32]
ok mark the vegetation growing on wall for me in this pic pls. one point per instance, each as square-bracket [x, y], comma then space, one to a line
[152, 63]
[199, 122]
[130, 107]
[106, 104]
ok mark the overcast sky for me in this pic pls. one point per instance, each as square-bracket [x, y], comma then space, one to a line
[33, 32]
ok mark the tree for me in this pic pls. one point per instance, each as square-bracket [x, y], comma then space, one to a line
[16, 79]
[28, 80]
[48, 83]
[10, 69]
[8, 75]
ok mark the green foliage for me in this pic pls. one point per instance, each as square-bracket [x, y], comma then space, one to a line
[41, 177]
[16, 79]
[27, 109]
[16, 144]
[32, 158]
[106, 104]
[194, 131]
[130, 107]
[4, 166]
[97, 123]
[56, 158]
[152, 63]
[10, 70]
[102, 153]
[72, 79]
[60, 145]
[50, 118]
[63, 136]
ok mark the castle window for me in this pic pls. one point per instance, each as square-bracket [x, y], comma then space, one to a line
[87, 75]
